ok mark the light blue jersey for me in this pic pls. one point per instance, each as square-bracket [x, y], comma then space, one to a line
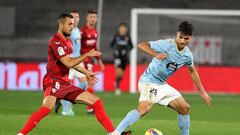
[159, 70]
[76, 40]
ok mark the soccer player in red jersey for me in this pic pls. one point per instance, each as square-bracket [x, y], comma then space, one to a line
[56, 84]
[89, 41]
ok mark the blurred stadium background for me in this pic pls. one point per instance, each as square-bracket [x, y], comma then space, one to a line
[26, 27]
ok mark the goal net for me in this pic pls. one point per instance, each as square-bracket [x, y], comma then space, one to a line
[216, 37]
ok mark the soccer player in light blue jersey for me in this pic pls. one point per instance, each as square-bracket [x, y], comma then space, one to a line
[168, 56]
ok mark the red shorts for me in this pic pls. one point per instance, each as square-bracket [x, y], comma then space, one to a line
[62, 91]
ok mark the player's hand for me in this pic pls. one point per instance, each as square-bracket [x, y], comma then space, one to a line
[161, 56]
[206, 98]
[92, 77]
[93, 53]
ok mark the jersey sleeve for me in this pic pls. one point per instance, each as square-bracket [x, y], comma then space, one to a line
[190, 60]
[156, 45]
[112, 45]
[58, 49]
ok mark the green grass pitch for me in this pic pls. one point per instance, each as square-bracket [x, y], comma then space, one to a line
[222, 118]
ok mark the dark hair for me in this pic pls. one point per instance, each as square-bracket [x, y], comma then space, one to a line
[74, 11]
[186, 28]
[92, 12]
[62, 16]
[123, 24]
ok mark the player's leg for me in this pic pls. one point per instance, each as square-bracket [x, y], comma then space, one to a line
[90, 84]
[67, 108]
[90, 109]
[149, 94]
[99, 111]
[66, 105]
[57, 106]
[82, 83]
[182, 107]
[119, 70]
[143, 108]
[82, 79]
[119, 74]
[48, 104]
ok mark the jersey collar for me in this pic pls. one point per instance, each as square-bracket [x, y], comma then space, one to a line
[89, 27]
[61, 37]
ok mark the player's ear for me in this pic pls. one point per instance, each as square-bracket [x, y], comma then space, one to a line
[60, 25]
[177, 33]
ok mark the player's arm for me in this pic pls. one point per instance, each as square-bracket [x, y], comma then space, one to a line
[90, 75]
[70, 62]
[112, 45]
[130, 45]
[100, 62]
[145, 46]
[195, 77]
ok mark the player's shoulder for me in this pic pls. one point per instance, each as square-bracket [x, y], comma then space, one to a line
[168, 41]
[187, 51]
[55, 40]
[165, 42]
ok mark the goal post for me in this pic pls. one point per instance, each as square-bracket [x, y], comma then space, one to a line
[135, 12]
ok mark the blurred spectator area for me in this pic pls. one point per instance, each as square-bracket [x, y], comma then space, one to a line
[26, 25]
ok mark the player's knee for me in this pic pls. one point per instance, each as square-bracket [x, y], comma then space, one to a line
[185, 109]
[49, 103]
[143, 110]
[94, 99]
[49, 106]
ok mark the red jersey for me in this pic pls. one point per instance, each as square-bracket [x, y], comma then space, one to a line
[56, 70]
[88, 41]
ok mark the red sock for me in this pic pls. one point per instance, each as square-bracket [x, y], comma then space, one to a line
[90, 90]
[34, 119]
[102, 116]
[90, 107]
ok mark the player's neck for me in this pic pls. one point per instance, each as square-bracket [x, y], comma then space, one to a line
[90, 26]
[63, 36]
[179, 49]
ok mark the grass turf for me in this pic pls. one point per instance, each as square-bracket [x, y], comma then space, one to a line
[222, 118]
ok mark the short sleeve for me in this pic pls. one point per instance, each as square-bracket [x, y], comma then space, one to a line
[190, 61]
[58, 49]
[156, 45]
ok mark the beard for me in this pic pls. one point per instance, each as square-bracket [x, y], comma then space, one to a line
[66, 34]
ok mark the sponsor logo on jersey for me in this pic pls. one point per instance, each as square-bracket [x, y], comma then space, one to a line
[57, 43]
[172, 66]
[91, 42]
[60, 51]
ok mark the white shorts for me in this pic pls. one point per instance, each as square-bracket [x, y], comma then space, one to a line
[74, 73]
[162, 94]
